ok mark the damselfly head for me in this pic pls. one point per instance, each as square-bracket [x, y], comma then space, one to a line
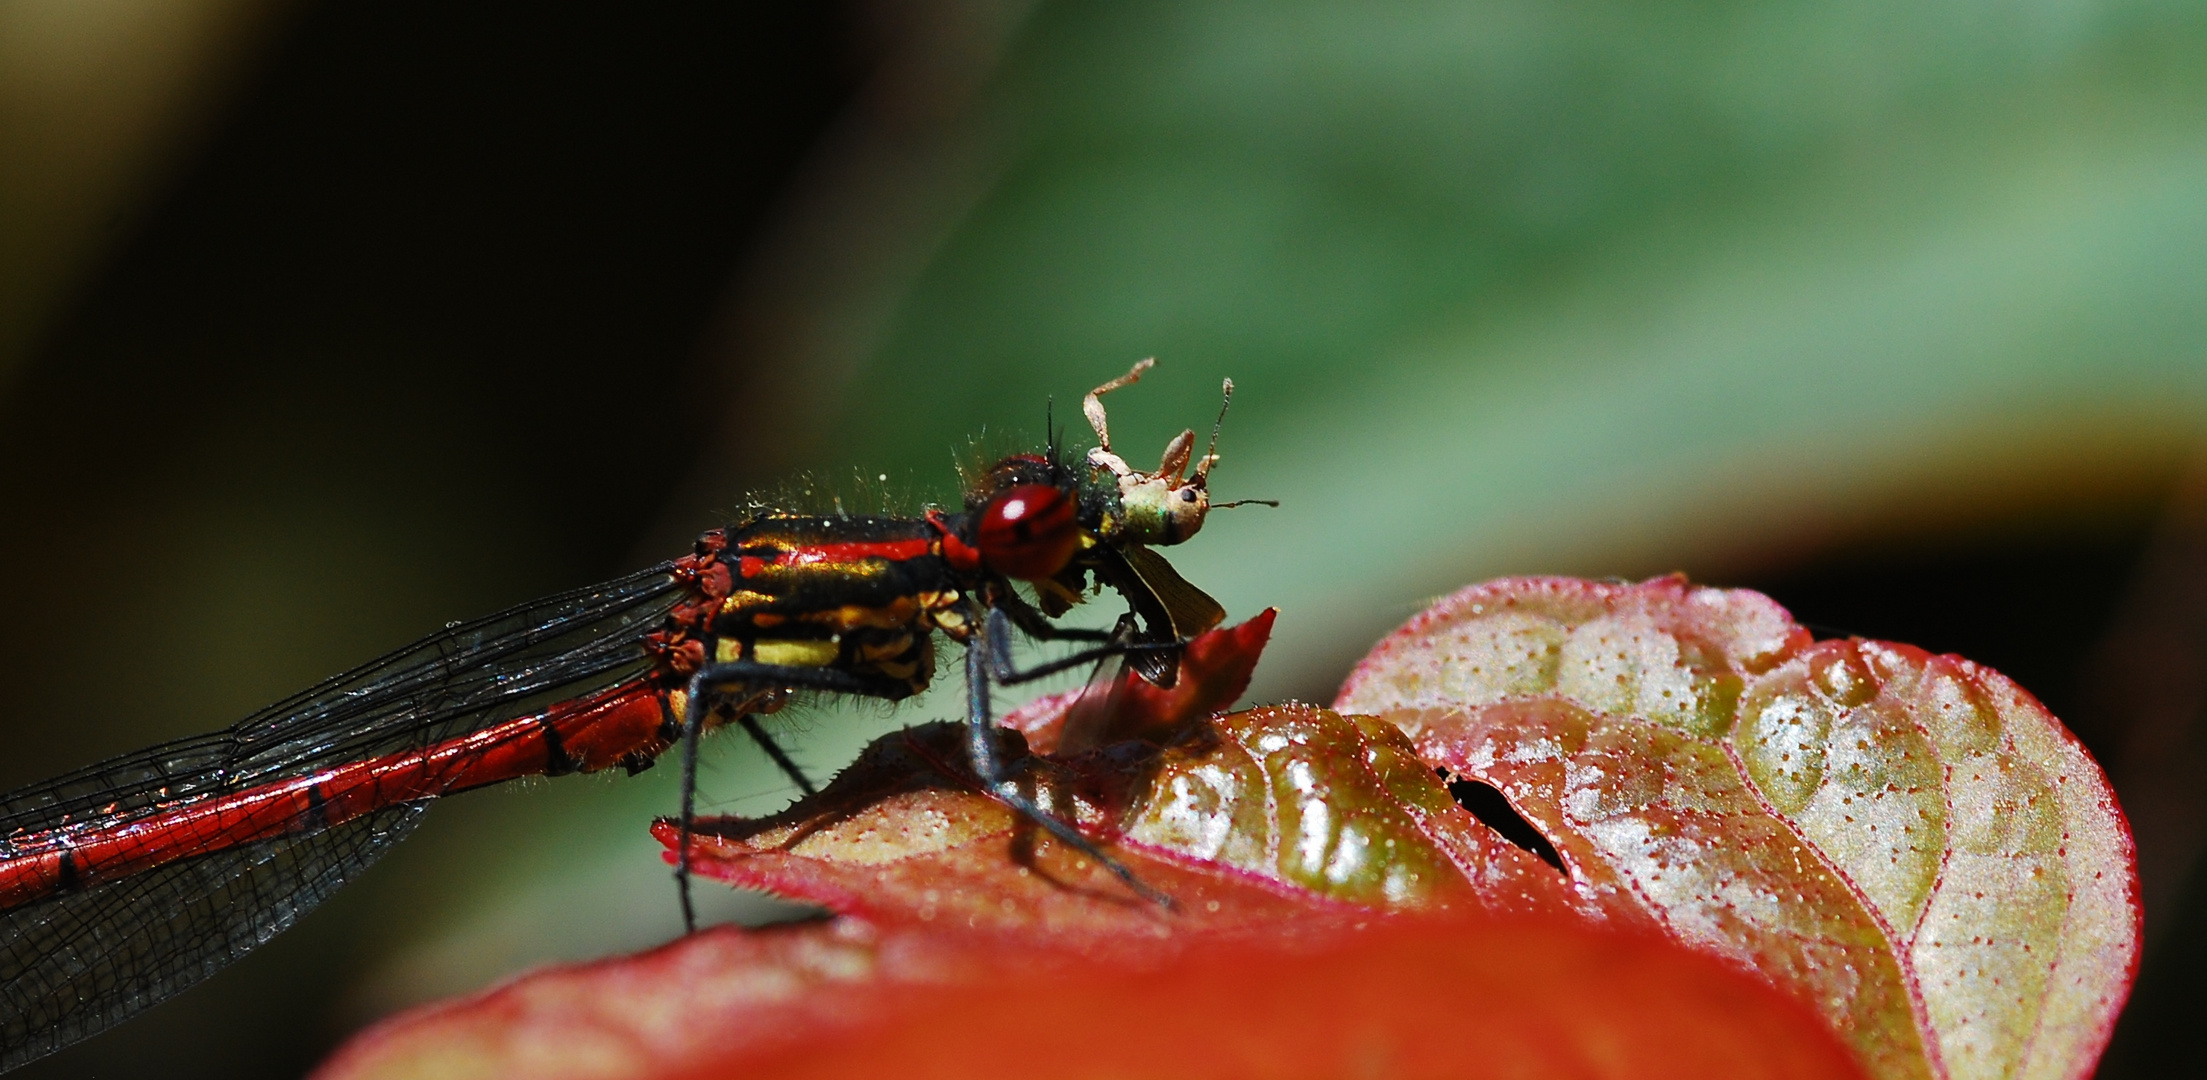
[1161, 507]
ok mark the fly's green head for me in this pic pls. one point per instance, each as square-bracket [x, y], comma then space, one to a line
[1162, 507]
[1152, 508]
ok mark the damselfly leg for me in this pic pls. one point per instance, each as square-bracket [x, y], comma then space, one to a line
[696, 706]
[989, 769]
[749, 722]
[1117, 642]
[987, 661]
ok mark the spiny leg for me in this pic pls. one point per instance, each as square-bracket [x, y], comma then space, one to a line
[1000, 640]
[693, 725]
[750, 724]
[981, 754]
[1039, 627]
[748, 672]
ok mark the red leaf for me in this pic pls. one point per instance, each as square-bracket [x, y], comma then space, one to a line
[1405, 999]
[1911, 842]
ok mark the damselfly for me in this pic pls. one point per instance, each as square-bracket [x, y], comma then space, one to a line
[123, 883]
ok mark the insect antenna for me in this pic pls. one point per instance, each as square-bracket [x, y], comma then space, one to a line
[1210, 453]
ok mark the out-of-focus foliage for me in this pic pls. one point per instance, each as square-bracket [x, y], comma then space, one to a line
[95, 99]
[1610, 287]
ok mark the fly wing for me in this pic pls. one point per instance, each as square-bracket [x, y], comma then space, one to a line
[1171, 609]
[1191, 610]
[82, 962]
[76, 962]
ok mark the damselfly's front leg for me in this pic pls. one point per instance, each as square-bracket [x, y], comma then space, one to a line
[1038, 626]
[1116, 643]
[981, 754]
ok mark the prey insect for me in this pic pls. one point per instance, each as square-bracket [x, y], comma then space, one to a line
[125, 882]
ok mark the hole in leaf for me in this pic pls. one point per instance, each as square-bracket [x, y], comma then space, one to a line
[1493, 809]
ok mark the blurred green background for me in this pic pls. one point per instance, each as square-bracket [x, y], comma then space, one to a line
[323, 323]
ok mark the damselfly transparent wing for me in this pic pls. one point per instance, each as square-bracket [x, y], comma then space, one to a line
[82, 962]
[78, 962]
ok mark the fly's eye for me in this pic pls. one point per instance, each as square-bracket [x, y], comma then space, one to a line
[1029, 532]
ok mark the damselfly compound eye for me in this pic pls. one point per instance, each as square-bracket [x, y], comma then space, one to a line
[1029, 532]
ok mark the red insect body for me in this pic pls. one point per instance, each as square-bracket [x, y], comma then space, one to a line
[892, 550]
[588, 734]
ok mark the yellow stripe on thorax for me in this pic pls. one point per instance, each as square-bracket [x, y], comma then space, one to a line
[796, 653]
